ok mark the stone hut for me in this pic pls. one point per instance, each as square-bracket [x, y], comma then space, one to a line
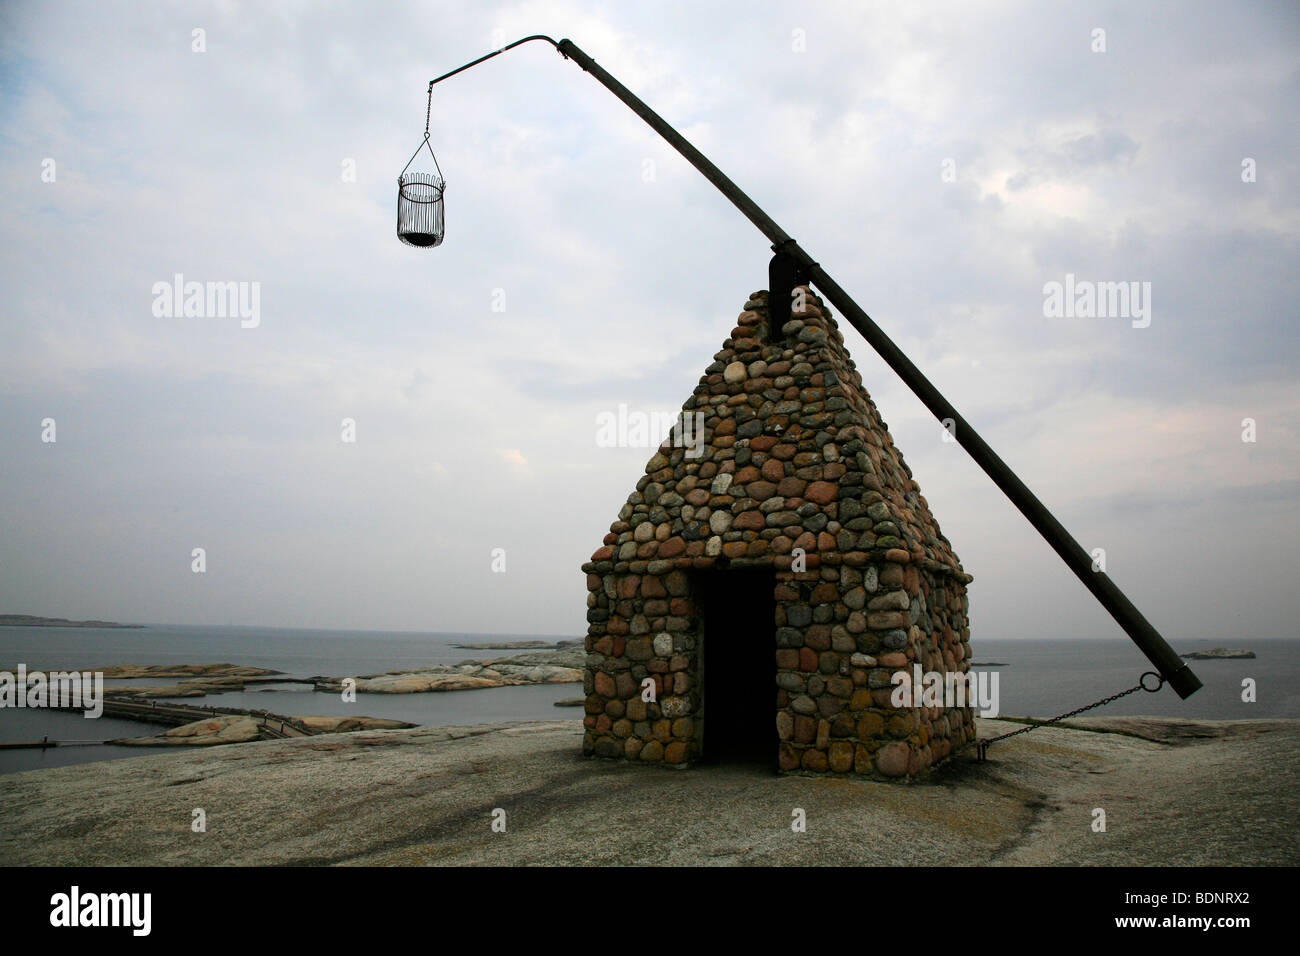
[774, 568]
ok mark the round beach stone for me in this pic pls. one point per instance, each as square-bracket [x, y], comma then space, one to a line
[891, 601]
[817, 523]
[652, 587]
[892, 759]
[821, 492]
[814, 760]
[653, 750]
[672, 547]
[788, 757]
[803, 705]
[675, 752]
[805, 730]
[674, 707]
[791, 682]
[841, 756]
[798, 615]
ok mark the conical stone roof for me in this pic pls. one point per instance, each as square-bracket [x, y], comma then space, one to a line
[779, 450]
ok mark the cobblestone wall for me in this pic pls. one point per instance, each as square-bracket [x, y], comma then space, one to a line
[794, 470]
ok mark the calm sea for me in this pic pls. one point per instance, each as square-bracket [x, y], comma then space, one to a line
[1041, 679]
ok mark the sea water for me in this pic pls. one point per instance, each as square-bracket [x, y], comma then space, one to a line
[1042, 678]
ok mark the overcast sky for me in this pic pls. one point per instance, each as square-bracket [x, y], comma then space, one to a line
[944, 162]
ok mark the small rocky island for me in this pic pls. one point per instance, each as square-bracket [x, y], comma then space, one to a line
[531, 645]
[31, 620]
[1220, 654]
[196, 680]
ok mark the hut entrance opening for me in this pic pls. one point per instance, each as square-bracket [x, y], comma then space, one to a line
[738, 667]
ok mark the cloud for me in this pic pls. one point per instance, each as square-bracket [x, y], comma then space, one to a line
[475, 425]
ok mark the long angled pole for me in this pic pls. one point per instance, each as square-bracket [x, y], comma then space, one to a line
[1170, 666]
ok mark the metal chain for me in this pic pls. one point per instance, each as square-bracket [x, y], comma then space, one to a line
[428, 111]
[983, 743]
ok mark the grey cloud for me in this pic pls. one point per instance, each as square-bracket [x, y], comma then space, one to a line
[226, 165]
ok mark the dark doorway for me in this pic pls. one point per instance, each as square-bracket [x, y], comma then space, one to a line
[738, 664]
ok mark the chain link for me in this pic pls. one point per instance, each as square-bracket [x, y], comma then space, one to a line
[983, 743]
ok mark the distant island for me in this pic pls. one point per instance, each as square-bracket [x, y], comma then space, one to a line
[31, 620]
[1219, 654]
[519, 645]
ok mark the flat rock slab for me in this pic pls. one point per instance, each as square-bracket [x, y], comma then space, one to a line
[426, 796]
[325, 725]
[562, 666]
[416, 683]
[181, 670]
[229, 729]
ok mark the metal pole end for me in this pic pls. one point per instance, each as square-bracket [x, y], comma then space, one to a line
[1184, 682]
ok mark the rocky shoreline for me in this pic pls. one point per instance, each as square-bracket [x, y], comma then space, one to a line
[560, 663]
[243, 728]
[562, 666]
[1175, 793]
[186, 671]
[555, 665]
